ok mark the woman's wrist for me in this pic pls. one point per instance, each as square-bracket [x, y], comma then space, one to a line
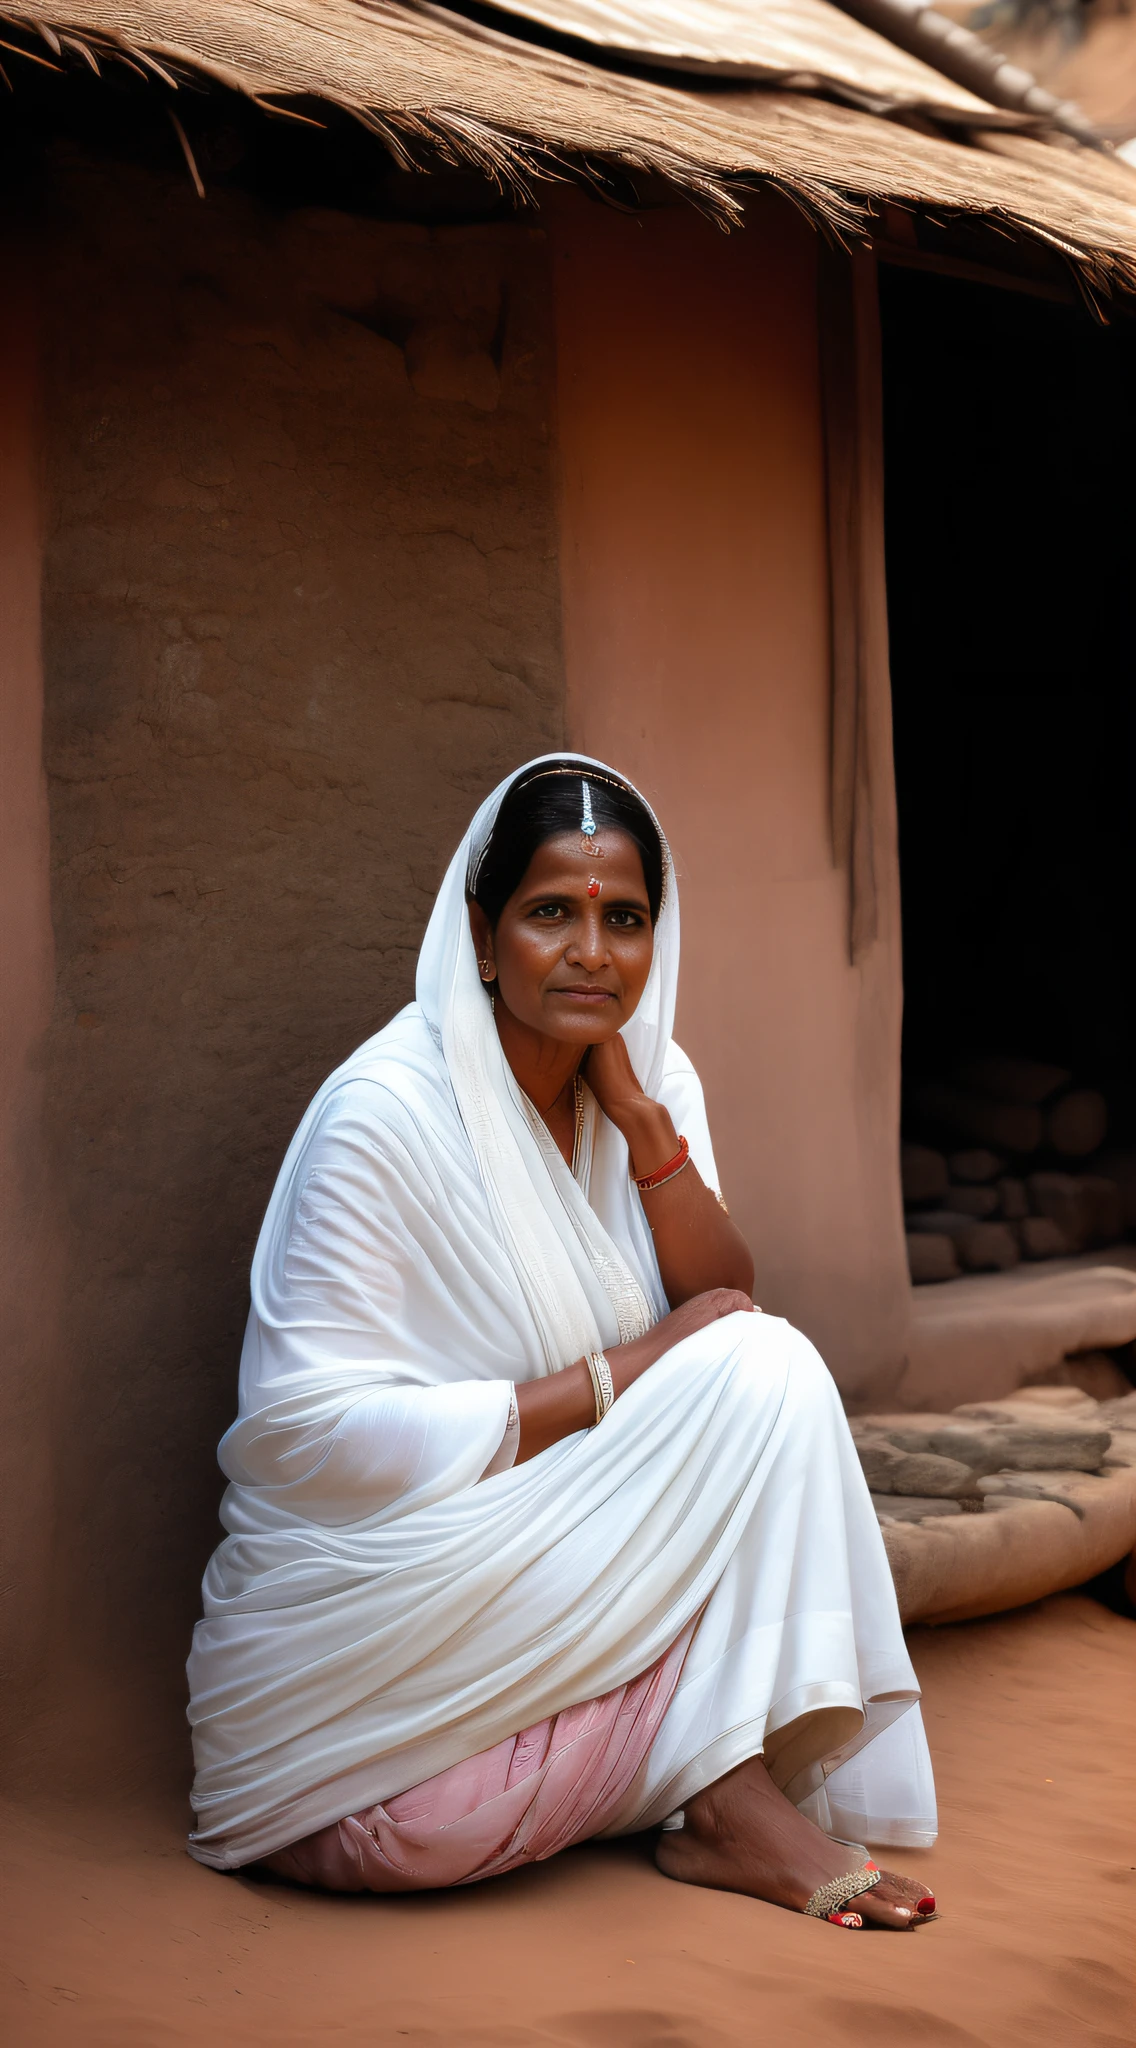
[650, 1134]
[557, 1406]
[628, 1361]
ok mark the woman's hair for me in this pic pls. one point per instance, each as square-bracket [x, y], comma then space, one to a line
[549, 801]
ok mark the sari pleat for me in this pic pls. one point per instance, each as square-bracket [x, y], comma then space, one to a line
[553, 1785]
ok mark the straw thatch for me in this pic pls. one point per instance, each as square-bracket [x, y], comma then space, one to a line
[887, 56]
[789, 42]
[418, 75]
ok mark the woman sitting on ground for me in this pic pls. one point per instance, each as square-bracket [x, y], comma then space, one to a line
[537, 1530]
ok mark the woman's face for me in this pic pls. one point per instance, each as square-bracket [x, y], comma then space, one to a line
[571, 963]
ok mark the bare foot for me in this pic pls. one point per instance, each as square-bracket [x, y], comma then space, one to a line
[743, 1835]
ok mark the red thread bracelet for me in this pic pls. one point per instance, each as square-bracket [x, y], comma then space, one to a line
[646, 1181]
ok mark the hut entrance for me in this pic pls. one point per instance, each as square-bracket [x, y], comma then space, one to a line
[1010, 425]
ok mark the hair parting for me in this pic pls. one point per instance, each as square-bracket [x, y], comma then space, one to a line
[549, 801]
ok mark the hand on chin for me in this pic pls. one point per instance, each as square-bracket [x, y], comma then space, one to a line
[611, 1076]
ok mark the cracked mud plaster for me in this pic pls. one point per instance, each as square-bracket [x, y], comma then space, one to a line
[300, 615]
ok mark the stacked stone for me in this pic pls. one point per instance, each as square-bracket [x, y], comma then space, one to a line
[970, 1210]
[1036, 1445]
[1059, 1507]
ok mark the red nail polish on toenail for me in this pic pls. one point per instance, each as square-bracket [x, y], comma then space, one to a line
[926, 1904]
[846, 1919]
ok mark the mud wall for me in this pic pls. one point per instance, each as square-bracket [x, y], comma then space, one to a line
[29, 1270]
[301, 611]
[696, 627]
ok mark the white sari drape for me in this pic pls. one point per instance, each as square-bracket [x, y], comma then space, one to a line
[378, 1609]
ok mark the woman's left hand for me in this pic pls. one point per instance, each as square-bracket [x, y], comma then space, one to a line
[613, 1081]
[697, 1246]
[646, 1125]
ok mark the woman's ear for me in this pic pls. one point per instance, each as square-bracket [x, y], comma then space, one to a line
[482, 942]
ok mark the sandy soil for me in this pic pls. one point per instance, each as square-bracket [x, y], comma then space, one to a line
[117, 1940]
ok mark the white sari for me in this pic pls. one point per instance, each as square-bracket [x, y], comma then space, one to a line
[380, 1609]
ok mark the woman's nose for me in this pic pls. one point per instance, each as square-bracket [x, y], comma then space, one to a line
[589, 941]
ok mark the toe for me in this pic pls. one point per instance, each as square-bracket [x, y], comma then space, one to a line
[902, 1902]
[879, 1912]
[911, 1891]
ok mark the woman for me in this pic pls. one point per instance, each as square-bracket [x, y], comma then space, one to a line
[537, 1530]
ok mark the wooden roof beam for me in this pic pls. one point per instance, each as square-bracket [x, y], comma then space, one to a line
[961, 55]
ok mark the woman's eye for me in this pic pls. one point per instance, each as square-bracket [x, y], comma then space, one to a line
[547, 911]
[624, 920]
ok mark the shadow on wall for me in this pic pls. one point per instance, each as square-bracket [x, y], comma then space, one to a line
[301, 612]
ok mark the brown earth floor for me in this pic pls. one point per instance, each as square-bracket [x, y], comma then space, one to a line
[117, 1940]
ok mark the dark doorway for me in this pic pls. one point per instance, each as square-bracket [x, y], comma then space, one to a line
[1010, 425]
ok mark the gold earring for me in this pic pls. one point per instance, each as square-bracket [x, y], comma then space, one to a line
[486, 971]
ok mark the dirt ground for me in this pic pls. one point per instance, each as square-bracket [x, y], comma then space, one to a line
[116, 1940]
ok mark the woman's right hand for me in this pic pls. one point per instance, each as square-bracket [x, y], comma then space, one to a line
[629, 1361]
[564, 1402]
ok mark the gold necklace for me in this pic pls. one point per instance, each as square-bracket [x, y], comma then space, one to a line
[578, 1141]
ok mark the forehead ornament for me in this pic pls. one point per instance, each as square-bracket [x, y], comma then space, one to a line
[588, 832]
[594, 887]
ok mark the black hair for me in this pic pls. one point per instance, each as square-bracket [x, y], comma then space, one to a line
[550, 801]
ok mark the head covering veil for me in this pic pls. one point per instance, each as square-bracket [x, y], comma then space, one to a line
[577, 1259]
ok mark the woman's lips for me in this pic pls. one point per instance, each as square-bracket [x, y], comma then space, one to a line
[583, 994]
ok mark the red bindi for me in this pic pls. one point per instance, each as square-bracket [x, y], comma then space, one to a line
[594, 887]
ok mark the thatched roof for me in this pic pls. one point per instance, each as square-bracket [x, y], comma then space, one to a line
[801, 43]
[418, 74]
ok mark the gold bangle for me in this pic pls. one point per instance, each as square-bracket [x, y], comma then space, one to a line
[600, 1373]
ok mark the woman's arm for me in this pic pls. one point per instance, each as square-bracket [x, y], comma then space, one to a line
[565, 1401]
[697, 1246]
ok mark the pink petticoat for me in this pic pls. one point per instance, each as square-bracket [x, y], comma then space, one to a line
[559, 1782]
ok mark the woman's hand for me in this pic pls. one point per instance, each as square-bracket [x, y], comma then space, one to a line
[565, 1401]
[650, 1133]
[614, 1083]
[697, 1247]
[629, 1361]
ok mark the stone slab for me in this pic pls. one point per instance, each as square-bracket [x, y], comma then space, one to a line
[983, 1335]
[1028, 1440]
[955, 1567]
[899, 1507]
[1066, 1488]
